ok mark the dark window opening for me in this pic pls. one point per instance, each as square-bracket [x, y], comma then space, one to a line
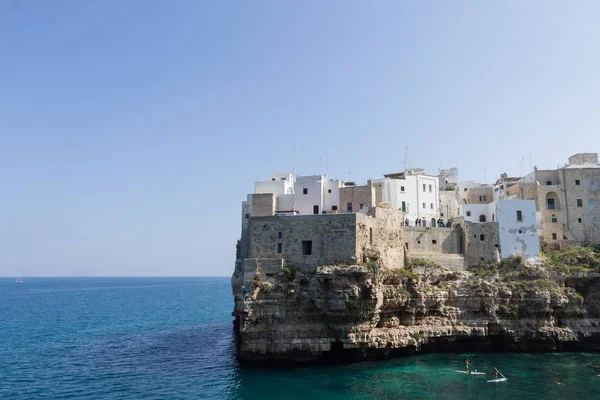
[306, 247]
[371, 235]
[433, 241]
[554, 236]
[520, 231]
[279, 235]
[333, 208]
[579, 203]
[305, 191]
[519, 215]
[402, 188]
[418, 242]
[554, 220]
[550, 204]
[272, 179]
[548, 183]
[247, 216]
[349, 206]
[481, 237]
[279, 248]
[468, 213]
[441, 214]
[482, 218]
[403, 206]
[577, 182]
[361, 206]
[579, 220]
[315, 209]
[329, 191]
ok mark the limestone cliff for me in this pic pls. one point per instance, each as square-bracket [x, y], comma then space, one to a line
[360, 312]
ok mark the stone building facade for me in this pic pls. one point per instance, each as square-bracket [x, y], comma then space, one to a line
[568, 200]
[309, 241]
[359, 198]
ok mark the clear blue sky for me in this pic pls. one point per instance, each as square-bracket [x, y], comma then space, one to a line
[130, 131]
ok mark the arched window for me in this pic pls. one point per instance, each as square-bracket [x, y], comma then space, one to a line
[482, 218]
[493, 219]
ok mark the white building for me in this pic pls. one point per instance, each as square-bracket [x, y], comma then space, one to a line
[278, 183]
[415, 193]
[313, 194]
[517, 224]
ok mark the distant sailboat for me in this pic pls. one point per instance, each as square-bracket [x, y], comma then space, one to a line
[20, 281]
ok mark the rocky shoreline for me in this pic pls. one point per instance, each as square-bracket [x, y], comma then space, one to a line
[361, 312]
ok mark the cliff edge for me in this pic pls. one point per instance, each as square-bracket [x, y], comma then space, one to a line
[359, 312]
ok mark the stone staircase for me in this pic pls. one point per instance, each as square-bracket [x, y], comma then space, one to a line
[455, 262]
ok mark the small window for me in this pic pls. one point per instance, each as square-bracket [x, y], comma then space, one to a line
[468, 213]
[361, 206]
[247, 216]
[554, 236]
[371, 235]
[593, 186]
[431, 206]
[520, 231]
[424, 187]
[433, 241]
[579, 203]
[283, 179]
[279, 235]
[519, 215]
[579, 220]
[482, 218]
[482, 237]
[306, 247]
[430, 188]
[441, 214]
[333, 208]
[329, 191]
[481, 198]
[272, 179]
[465, 189]
[305, 191]
[424, 205]
[402, 188]
[591, 204]
[577, 182]
[279, 248]
[349, 207]
[554, 220]
[548, 183]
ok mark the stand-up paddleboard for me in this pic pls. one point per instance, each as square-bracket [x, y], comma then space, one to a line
[503, 379]
[470, 372]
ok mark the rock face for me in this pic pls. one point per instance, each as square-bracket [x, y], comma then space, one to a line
[352, 313]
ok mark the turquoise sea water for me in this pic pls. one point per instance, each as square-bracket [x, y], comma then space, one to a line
[172, 338]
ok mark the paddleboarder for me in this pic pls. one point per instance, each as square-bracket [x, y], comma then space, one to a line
[467, 365]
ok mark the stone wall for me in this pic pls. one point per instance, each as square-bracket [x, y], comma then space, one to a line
[432, 240]
[307, 241]
[380, 232]
[481, 242]
[263, 205]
